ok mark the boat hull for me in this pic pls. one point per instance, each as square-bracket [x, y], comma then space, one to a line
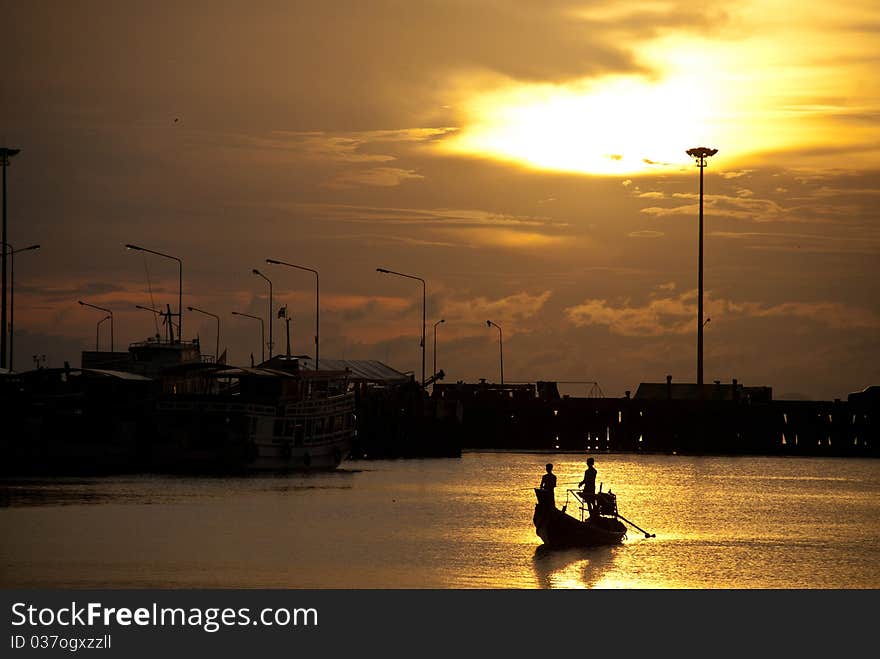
[559, 529]
[210, 435]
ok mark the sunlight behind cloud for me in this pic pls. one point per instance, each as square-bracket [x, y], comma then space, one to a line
[757, 93]
[619, 125]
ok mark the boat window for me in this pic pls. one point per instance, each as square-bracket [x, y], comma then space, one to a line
[288, 428]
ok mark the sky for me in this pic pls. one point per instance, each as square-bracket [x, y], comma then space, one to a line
[525, 159]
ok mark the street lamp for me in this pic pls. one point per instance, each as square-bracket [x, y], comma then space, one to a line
[217, 318]
[98, 332]
[260, 274]
[5, 154]
[400, 274]
[12, 253]
[262, 333]
[700, 154]
[179, 289]
[489, 323]
[109, 315]
[435, 344]
[317, 303]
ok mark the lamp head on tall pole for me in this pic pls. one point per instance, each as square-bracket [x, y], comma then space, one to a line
[700, 154]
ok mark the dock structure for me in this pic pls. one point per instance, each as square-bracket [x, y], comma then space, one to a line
[683, 418]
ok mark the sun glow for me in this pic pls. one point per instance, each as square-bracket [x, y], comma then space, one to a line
[745, 97]
[617, 125]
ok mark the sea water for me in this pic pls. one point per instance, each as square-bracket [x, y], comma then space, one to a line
[720, 522]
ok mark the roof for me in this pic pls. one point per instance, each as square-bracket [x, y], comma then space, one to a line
[367, 370]
[119, 375]
[255, 371]
[692, 391]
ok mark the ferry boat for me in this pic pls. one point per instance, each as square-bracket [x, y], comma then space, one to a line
[211, 417]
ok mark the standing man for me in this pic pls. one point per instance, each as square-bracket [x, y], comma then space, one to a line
[548, 482]
[589, 492]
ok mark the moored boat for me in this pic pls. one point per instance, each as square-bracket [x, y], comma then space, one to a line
[215, 418]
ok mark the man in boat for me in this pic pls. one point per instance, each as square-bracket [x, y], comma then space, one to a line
[589, 492]
[548, 482]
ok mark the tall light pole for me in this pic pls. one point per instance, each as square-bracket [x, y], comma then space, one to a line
[179, 289]
[489, 323]
[262, 333]
[424, 323]
[217, 318]
[435, 345]
[5, 154]
[317, 303]
[260, 274]
[12, 253]
[109, 315]
[700, 154]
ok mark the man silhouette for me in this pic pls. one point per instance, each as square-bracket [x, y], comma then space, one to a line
[548, 482]
[589, 492]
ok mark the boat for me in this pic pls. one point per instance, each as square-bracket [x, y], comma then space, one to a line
[211, 417]
[74, 421]
[558, 529]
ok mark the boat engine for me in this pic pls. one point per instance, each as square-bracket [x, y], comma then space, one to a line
[606, 503]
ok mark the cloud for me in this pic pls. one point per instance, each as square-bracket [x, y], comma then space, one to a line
[378, 176]
[645, 233]
[505, 311]
[676, 315]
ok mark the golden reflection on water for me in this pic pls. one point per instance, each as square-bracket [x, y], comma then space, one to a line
[459, 523]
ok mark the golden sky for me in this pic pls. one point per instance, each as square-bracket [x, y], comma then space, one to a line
[527, 159]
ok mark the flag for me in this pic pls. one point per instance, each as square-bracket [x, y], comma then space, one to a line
[222, 358]
[282, 312]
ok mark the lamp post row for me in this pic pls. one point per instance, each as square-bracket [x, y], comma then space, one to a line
[700, 154]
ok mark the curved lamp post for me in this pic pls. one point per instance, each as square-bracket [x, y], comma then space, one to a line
[217, 318]
[400, 274]
[98, 332]
[435, 344]
[317, 303]
[489, 323]
[179, 289]
[700, 154]
[109, 315]
[12, 253]
[260, 274]
[262, 333]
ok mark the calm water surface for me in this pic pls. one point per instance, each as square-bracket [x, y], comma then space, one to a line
[740, 522]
